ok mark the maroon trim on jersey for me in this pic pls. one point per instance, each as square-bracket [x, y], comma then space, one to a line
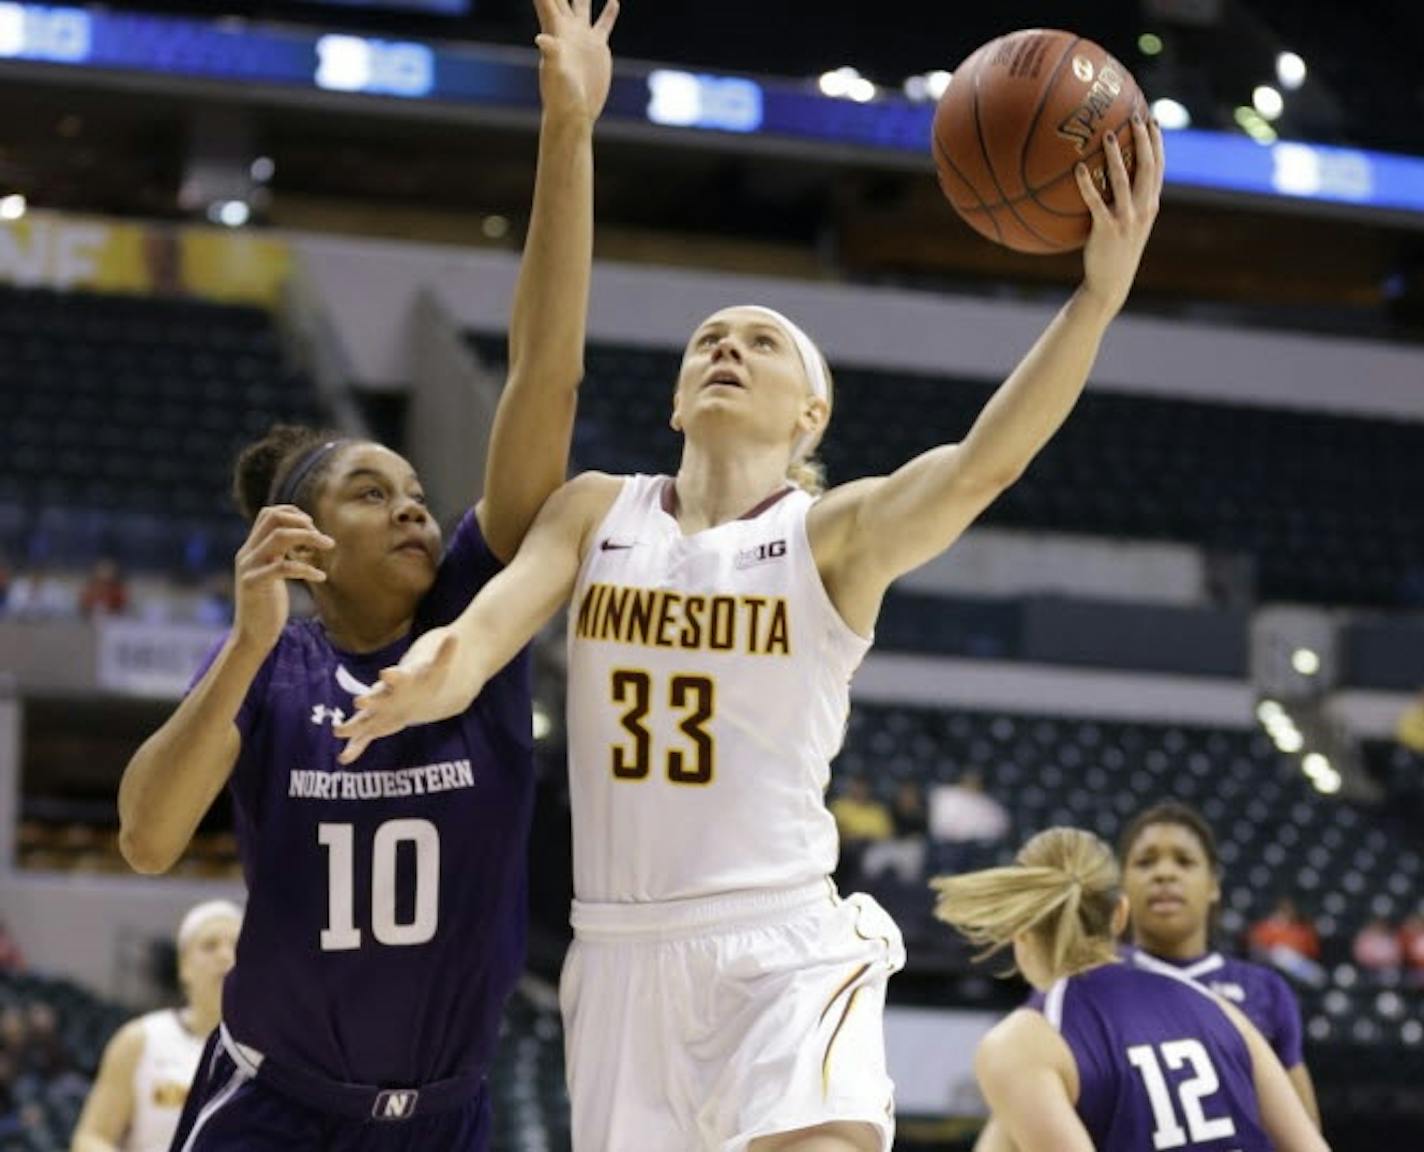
[669, 500]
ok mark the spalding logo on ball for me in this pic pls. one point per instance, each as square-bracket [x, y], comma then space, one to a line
[1019, 115]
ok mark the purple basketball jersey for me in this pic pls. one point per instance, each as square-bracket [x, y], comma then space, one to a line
[1260, 993]
[386, 911]
[1159, 1063]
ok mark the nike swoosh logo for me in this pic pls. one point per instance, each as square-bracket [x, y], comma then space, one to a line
[611, 546]
[349, 684]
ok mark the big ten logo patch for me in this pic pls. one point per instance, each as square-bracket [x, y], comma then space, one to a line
[761, 554]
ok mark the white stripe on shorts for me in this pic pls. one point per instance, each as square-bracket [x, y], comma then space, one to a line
[211, 1108]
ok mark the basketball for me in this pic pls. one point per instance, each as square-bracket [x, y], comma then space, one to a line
[1019, 114]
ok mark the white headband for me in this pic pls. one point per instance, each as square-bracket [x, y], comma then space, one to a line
[810, 360]
[202, 914]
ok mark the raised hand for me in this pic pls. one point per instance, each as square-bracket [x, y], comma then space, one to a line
[425, 686]
[1120, 230]
[575, 65]
[267, 559]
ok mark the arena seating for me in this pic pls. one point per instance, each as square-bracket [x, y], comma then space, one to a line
[123, 415]
[1401, 773]
[1277, 836]
[44, 1090]
[1320, 501]
[531, 1108]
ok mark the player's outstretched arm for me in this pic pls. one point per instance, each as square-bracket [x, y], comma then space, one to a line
[109, 1109]
[868, 533]
[173, 778]
[447, 668]
[1021, 1067]
[533, 425]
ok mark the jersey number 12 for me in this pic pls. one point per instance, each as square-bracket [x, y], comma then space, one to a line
[1190, 1093]
[339, 840]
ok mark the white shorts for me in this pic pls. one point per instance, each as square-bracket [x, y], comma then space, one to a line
[700, 1025]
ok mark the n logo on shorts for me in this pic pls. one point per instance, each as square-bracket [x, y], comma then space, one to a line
[396, 1104]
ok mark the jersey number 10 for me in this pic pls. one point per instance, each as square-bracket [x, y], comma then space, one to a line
[339, 840]
[1168, 1131]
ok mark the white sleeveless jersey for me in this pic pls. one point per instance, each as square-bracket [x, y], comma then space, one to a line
[708, 690]
[161, 1080]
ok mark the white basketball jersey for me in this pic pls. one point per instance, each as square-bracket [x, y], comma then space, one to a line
[161, 1080]
[708, 690]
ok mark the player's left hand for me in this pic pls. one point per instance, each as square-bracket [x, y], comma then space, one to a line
[425, 686]
[1120, 229]
[575, 65]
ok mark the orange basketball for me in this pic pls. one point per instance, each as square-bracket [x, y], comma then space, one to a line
[1018, 116]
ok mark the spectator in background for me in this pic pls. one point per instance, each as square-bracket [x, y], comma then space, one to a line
[1378, 948]
[861, 820]
[1410, 729]
[4, 584]
[904, 852]
[214, 604]
[860, 817]
[105, 593]
[1289, 941]
[11, 958]
[41, 594]
[964, 813]
[1411, 948]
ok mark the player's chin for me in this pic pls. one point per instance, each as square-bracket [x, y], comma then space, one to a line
[409, 574]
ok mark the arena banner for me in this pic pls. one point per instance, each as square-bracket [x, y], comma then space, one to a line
[68, 252]
[139, 658]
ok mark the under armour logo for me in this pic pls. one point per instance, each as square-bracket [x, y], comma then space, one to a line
[395, 1104]
[321, 714]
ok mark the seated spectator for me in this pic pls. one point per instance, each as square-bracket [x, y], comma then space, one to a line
[105, 593]
[1411, 948]
[860, 817]
[41, 595]
[214, 604]
[1288, 941]
[11, 958]
[964, 813]
[904, 853]
[1410, 729]
[1378, 947]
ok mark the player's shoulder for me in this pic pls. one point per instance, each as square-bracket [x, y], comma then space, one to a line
[126, 1046]
[585, 500]
[1264, 978]
[1024, 1036]
[593, 486]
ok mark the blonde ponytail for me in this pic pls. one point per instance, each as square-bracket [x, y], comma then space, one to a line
[809, 475]
[807, 472]
[1063, 889]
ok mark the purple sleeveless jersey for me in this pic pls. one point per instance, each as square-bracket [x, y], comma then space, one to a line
[385, 922]
[1160, 1066]
[1261, 994]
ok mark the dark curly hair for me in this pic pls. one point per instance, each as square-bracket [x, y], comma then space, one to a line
[1170, 812]
[264, 464]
